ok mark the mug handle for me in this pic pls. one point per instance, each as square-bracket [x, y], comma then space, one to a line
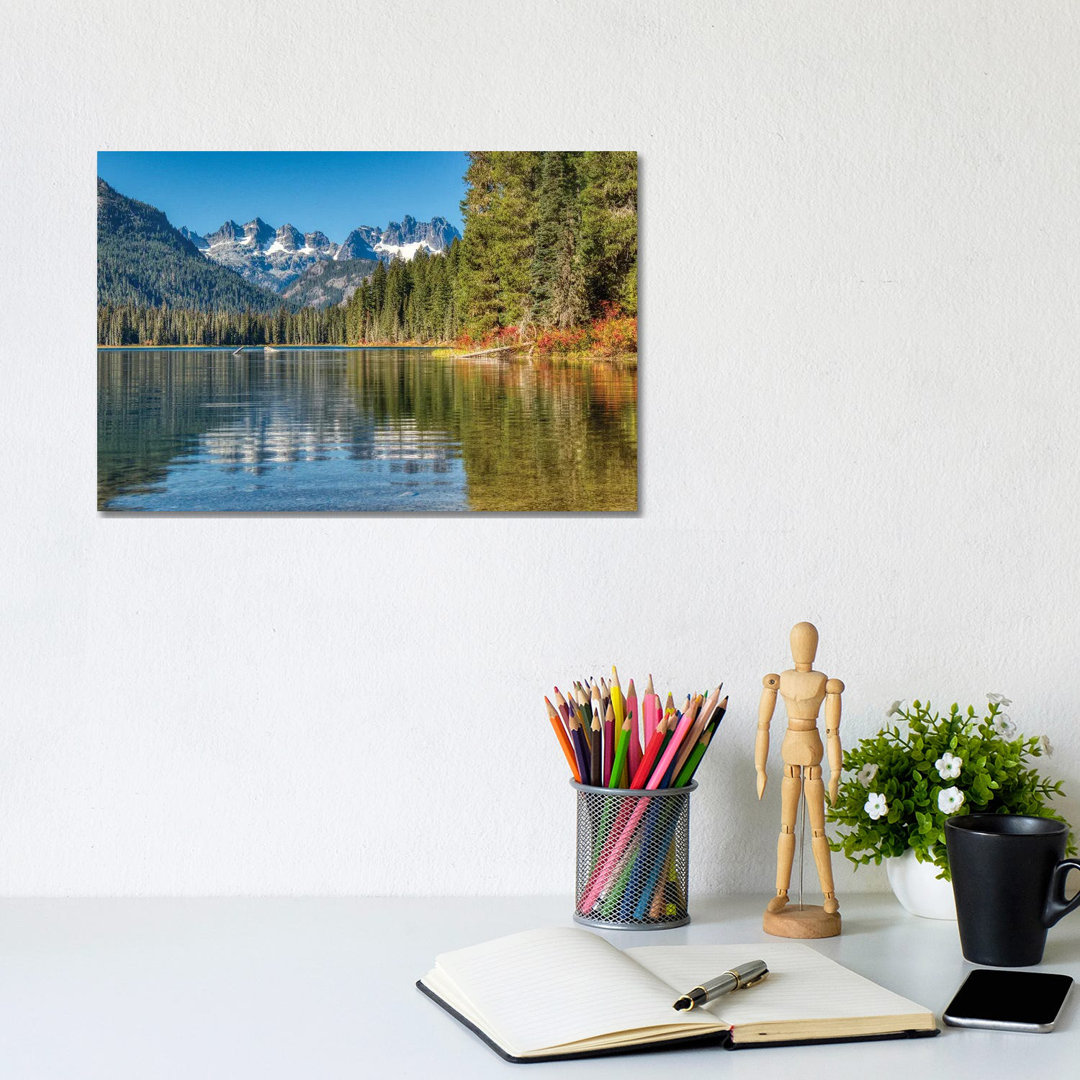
[1056, 904]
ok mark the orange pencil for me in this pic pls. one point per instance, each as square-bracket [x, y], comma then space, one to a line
[564, 740]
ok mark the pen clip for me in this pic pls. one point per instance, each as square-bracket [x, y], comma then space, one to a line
[754, 981]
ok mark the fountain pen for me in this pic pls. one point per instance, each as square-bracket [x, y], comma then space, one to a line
[738, 978]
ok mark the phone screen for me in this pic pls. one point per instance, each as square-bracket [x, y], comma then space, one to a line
[1016, 1000]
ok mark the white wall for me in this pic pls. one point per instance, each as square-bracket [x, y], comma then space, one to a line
[860, 274]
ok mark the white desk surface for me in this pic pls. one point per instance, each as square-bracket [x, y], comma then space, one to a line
[309, 989]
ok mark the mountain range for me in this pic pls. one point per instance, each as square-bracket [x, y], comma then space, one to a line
[275, 258]
[146, 261]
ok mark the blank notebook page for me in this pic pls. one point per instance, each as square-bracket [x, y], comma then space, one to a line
[577, 986]
[802, 984]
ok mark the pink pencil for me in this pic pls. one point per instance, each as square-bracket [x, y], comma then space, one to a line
[602, 876]
[635, 729]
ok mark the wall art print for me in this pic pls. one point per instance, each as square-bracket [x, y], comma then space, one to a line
[368, 331]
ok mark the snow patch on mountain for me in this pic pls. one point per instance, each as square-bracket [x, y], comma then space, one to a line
[276, 258]
[405, 251]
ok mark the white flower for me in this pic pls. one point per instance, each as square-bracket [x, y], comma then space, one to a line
[1003, 725]
[866, 774]
[876, 806]
[998, 699]
[948, 766]
[1047, 748]
[950, 800]
[895, 709]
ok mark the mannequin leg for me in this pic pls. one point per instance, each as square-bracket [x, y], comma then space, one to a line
[815, 805]
[790, 790]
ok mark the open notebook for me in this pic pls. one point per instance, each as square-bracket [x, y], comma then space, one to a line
[562, 992]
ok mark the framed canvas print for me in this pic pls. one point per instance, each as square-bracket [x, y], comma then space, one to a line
[368, 331]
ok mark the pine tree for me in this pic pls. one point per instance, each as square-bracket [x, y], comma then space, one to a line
[609, 229]
[477, 290]
[516, 174]
[558, 280]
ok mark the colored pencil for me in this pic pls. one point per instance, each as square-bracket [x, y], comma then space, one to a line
[622, 750]
[581, 749]
[583, 727]
[564, 740]
[648, 758]
[598, 713]
[609, 743]
[584, 710]
[617, 702]
[634, 757]
[596, 756]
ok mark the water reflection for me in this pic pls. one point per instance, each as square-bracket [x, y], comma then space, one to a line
[361, 430]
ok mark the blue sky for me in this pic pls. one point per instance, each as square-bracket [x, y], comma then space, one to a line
[327, 190]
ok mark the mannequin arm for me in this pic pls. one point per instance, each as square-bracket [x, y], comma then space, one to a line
[833, 689]
[761, 744]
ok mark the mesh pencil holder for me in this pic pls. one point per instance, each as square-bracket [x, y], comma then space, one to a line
[633, 857]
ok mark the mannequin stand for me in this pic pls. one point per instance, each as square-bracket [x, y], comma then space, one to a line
[802, 921]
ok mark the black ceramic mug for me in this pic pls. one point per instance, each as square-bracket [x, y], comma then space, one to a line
[1008, 877]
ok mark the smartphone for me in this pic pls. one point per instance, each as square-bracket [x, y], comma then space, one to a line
[1013, 1000]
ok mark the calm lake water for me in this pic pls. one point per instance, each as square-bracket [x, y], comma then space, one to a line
[368, 429]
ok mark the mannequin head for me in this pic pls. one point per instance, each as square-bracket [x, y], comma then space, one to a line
[804, 640]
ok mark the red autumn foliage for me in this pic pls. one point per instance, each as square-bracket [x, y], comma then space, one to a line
[613, 334]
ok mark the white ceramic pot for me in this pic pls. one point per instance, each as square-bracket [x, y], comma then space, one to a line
[917, 886]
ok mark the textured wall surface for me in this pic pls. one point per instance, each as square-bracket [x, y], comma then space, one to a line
[859, 386]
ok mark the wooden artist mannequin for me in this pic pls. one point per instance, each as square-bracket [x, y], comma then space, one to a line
[803, 691]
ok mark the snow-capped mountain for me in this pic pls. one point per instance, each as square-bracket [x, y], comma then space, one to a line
[406, 238]
[360, 243]
[276, 258]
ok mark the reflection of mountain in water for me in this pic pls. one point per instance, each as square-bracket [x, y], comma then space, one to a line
[258, 443]
[356, 430]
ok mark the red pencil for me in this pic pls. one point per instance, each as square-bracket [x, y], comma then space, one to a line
[648, 758]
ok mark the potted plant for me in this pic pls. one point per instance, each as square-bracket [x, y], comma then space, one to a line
[898, 788]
